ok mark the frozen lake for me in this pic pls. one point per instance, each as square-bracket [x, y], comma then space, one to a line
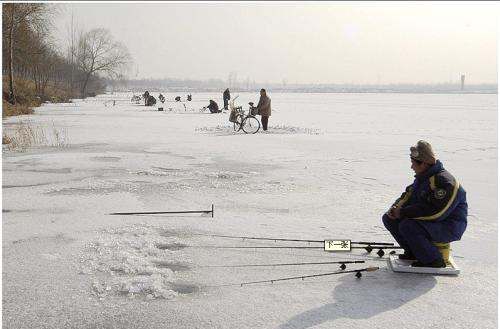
[329, 167]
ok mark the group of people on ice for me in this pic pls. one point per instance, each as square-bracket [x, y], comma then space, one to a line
[150, 100]
[263, 107]
[214, 107]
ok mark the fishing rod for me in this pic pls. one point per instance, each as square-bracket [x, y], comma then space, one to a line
[291, 240]
[342, 264]
[358, 275]
[287, 247]
[369, 249]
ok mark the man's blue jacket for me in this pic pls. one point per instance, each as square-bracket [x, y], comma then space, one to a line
[437, 200]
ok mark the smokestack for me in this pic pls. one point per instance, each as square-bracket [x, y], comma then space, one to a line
[462, 80]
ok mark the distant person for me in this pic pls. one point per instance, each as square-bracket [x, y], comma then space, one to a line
[145, 96]
[178, 98]
[151, 101]
[161, 98]
[430, 214]
[213, 107]
[136, 99]
[264, 108]
[189, 97]
[226, 96]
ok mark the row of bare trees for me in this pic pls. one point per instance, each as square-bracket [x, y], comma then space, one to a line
[30, 53]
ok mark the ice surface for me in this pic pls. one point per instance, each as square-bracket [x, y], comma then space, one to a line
[328, 168]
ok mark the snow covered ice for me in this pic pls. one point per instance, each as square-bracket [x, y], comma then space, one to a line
[329, 167]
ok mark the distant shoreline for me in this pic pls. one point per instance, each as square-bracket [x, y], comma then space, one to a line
[190, 90]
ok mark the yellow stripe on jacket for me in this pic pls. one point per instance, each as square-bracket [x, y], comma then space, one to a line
[405, 198]
[450, 202]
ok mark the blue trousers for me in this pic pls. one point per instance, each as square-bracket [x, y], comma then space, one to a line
[413, 236]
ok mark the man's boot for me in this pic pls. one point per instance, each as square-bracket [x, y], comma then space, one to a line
[438, 263]
[407, 255]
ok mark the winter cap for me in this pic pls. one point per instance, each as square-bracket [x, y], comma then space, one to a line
[423, 152]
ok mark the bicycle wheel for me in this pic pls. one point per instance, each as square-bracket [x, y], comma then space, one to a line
[237, 123]
[251, 125]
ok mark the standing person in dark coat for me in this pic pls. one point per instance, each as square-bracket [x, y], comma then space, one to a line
[264, 108]
[430, 214]
[226, 96]
[146, 97]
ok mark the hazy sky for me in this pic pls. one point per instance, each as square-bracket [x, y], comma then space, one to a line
[320, 42]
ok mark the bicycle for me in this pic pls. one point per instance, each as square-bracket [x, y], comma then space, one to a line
[246, 122]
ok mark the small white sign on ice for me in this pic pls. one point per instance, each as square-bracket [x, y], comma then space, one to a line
[337, 245]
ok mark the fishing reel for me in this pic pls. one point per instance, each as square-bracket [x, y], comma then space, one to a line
[380, 251]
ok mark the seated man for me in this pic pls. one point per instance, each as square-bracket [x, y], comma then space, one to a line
[431, 212]
[151, 100]
[213, 107]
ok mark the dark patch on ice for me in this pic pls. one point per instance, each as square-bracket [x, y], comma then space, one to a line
[184, 288]
[171, 246]
[119, 271]
[16, 210]
[140, 182]
[52, 171]
[87, 146]
[29, 185]
[156, 152]
[84, 191]
[168, 233]
[174, 266]
[46, 211]
[226, 175]
[110, 170]
[188, 157]
[158, 171]
[58, 238]
[105, 159]
[166, 169]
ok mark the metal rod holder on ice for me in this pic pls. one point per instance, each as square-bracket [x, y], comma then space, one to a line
[167, 212]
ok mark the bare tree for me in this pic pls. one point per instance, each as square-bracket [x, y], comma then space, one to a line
[73, 30]
[30, 16]
[97, 52]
